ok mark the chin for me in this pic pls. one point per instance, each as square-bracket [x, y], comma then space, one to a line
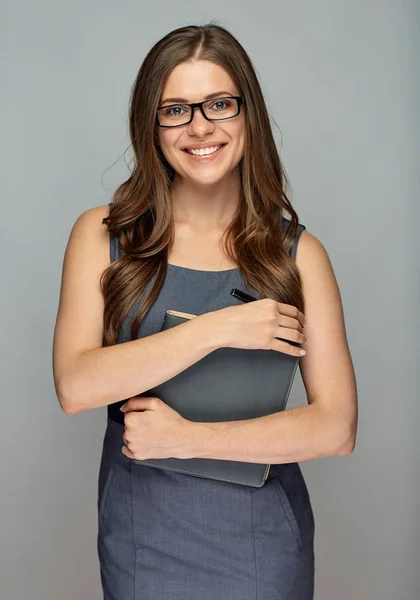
[207, 178]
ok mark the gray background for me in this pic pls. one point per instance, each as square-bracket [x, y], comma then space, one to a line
[341, 82]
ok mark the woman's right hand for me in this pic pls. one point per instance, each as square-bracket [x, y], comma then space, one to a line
[259, 325]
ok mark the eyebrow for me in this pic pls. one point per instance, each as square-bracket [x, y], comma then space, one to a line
[209, 97]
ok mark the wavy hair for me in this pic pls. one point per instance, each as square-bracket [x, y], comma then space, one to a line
[140, 214]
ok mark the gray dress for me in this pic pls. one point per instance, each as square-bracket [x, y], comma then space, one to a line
[164, 535]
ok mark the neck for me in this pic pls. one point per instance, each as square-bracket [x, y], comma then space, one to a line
[207, 206]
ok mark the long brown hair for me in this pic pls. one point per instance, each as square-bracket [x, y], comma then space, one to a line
[140, 215]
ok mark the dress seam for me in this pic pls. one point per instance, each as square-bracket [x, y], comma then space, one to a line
[253, 539]
[132, 531]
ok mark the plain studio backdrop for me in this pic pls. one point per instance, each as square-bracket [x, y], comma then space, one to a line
[342, 87]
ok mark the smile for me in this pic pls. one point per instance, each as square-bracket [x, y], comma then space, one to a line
[205, 154]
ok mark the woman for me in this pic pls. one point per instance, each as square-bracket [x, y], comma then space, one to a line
[202, 212]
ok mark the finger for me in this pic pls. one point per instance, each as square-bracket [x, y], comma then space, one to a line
[291, 311]
[290, 323]
[287, 348]
[138, 403]
[290, 335]
[127, 452]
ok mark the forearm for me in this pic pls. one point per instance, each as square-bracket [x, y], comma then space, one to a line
[294, 435]
[102, 376]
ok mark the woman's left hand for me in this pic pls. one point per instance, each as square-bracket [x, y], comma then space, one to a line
[157, 431]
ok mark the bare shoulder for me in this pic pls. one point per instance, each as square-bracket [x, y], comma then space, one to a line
[320, 287]
[315, 267]
[90, 237]
[91, 221]
[310, 250]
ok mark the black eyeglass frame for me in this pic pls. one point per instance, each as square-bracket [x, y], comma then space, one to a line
[240, 100]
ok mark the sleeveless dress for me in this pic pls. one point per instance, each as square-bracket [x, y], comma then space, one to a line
[164, 535]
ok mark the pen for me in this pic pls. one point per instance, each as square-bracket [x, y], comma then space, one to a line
[242, 296]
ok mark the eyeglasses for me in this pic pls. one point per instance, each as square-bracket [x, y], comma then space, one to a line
[217, 109]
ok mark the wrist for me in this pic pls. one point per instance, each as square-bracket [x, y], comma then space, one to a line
[201, 440]
[211, 332]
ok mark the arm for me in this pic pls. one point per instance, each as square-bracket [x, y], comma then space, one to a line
[86, 375]
[327, 426]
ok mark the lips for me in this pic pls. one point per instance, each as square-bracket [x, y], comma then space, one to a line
[205, 158]
[203, 147]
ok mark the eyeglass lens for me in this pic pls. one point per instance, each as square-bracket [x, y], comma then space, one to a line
[177, 114]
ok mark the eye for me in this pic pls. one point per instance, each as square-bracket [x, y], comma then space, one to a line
[217, 104]
[174, 108]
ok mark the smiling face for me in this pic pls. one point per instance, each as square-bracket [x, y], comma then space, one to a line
[193, 81]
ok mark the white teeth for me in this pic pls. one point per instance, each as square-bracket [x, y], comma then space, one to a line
[204, 151]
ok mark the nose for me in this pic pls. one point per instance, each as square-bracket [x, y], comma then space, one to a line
[199, 124]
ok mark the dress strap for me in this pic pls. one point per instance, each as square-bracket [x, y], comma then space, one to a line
[298, 234]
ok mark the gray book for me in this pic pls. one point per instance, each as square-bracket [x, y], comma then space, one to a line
[229, 384]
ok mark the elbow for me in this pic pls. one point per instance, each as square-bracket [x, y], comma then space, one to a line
[345, 450]
[347, 445]
[67, 398]
[68, 407]
[343, 435]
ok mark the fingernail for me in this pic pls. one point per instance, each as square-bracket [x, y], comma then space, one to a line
[122, 407]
